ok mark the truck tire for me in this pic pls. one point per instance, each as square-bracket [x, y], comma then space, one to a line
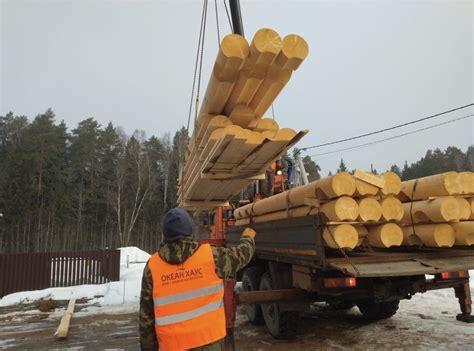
[281, 325]
[251, 282]
[378, 310]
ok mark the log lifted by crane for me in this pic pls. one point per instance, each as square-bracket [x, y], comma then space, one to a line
[364, 209]
[232, 143]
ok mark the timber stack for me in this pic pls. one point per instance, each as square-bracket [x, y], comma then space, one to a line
[232, 142]
[364, 209]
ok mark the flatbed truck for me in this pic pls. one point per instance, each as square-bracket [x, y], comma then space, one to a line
[292, 268]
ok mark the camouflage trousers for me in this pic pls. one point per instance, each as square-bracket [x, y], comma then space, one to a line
[218, 345]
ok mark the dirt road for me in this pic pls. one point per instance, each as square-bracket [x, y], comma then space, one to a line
[419, 325]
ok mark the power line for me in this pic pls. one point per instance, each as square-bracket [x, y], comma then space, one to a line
[393, 137]
[387, 129]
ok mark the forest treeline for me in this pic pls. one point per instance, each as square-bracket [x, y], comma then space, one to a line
[91, 188]
[95, 187]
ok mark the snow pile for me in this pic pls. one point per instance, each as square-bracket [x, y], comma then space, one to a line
[125, 291]
[135, 255]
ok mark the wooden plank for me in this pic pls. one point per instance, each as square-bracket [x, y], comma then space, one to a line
[63, 328]
[201, 204]
[369, 178]
[226, 175]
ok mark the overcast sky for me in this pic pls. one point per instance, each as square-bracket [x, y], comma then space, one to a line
[371, 65]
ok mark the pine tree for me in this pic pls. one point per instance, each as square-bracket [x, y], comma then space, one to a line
[312, 168]
[395, 169]
[342, 167]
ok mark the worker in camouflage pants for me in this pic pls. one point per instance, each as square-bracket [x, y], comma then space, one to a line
[181, 304]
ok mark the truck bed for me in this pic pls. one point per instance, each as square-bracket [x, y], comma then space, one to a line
[299, 241]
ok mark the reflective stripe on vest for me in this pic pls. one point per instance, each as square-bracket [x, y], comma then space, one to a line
[181, 317]
[188, 295]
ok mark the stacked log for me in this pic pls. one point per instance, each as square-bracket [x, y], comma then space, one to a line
[232, 143]
[350, 206]
[438, 210]
[366, 209]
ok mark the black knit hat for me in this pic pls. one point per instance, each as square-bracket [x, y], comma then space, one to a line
[177, 223]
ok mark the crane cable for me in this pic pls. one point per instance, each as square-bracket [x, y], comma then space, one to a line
[228, 17]
[198, 63]
[217, 24]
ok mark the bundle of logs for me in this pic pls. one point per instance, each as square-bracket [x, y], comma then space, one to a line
[364, 209]
[232, 143]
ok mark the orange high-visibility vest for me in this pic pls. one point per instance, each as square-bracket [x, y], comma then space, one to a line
[188, 301]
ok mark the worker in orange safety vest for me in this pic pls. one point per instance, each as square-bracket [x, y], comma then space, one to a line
[181, 305]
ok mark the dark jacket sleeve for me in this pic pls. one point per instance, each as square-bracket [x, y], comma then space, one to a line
[147, 315]
[229, 260]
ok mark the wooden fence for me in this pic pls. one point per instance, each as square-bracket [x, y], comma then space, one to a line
[34, 271]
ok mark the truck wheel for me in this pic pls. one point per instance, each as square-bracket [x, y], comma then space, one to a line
[250, 282]
[281, 325]
[378, 310]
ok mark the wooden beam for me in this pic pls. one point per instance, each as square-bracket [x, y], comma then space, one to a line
[369, 178]
[385, 235]
[205, 203]
[467, 182]
[435, 235]
[265, 46]
[369, 209]
[443, 184]
[343, 236]
[464, 233]
[392, 209]
[392, 184]
[342, 209]
[443, 209]
[63, 328]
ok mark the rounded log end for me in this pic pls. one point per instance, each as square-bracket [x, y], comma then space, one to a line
[253, 137]
[295, 49]
[234, 45]
[264, 124]
[284, 134]
[219, 121]
[266, 40]
[342, 236]
[450, 209]
[464, 208]
[385, 235]
[467, 182]
[343, 184]
[392, 209]
[444, 235]
[452, 183]
[393, 184]
[346, 209]
[369, 209]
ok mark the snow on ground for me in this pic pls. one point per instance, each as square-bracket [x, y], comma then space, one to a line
[122, 296]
